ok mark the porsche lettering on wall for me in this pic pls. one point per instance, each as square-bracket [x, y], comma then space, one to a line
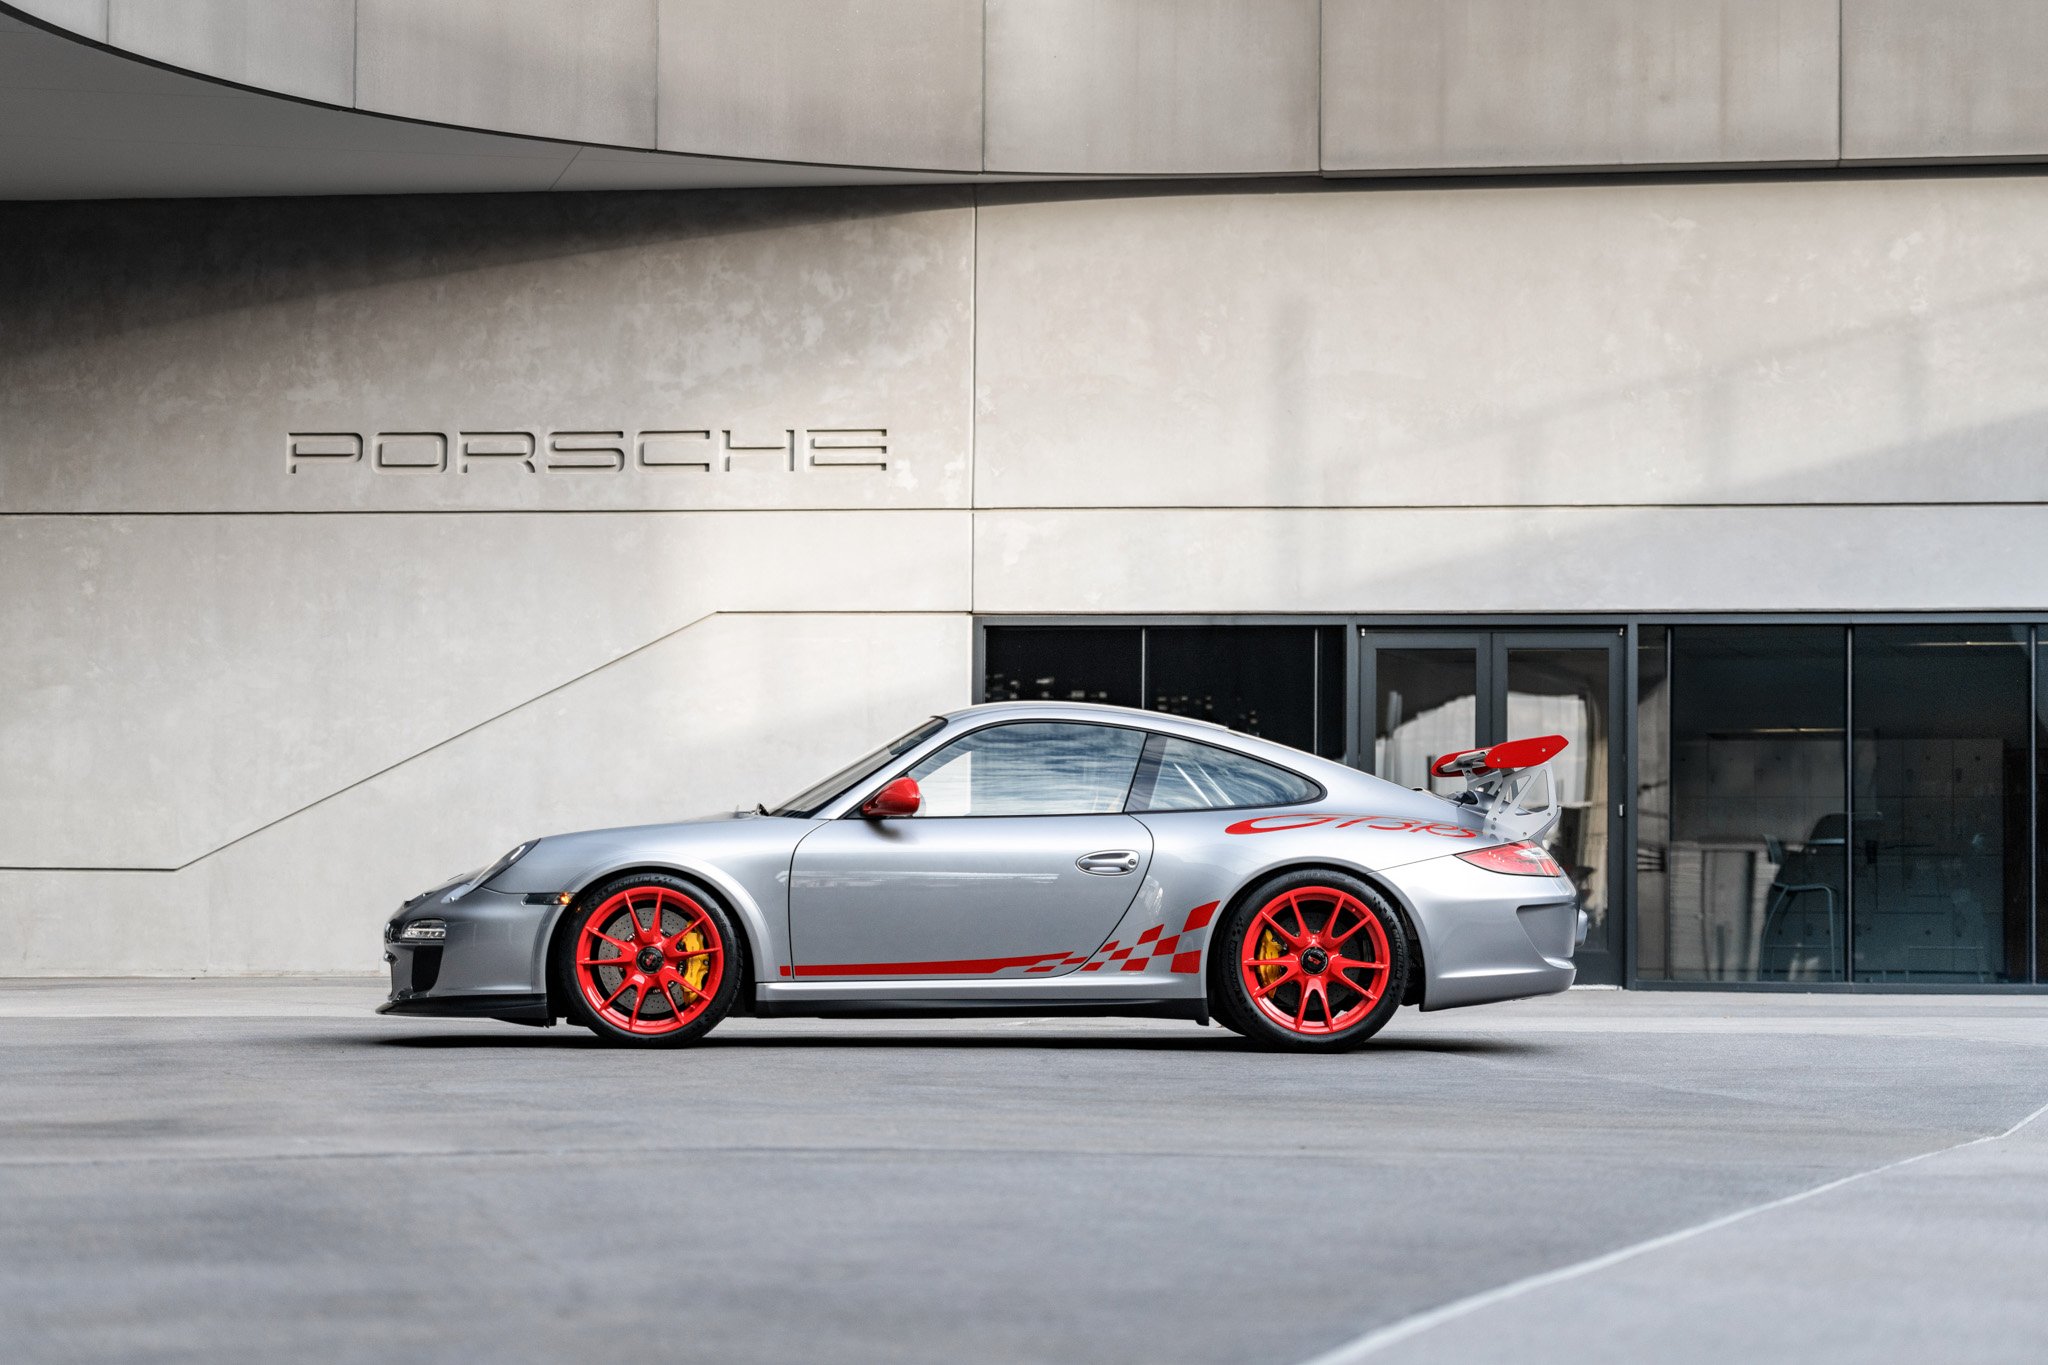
[541, 450]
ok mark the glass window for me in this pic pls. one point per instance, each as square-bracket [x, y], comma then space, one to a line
[1653, 803]
[1425, 705]
[810, 802]
[2040, 801]
[1743, 827]
[1333, 696]
[1031, 769]
[1257, 680]
[1564, 691]
[1179, 774]
[1083, 663]
[1285, 683]
[1941, 845]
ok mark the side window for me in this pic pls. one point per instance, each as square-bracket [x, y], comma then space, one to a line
[1179, 774]
[1031, 769]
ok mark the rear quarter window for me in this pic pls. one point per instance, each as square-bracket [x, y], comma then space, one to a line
[1182, 774]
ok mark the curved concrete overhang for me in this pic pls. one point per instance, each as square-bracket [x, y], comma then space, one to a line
[82, 120]
[145, 98]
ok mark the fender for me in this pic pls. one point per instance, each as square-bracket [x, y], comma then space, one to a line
[751, 917]
[1418, 932]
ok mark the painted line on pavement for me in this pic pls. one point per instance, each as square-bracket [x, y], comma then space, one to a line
[1379, 1339]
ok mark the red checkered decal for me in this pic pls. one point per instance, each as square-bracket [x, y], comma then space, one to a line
[1180, 953]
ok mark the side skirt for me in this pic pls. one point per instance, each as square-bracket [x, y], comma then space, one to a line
[1196, 1010]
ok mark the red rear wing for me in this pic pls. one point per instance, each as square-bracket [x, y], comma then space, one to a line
[1500, 758]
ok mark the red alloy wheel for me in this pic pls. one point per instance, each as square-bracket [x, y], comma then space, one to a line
[648, 960]
[1315, 960]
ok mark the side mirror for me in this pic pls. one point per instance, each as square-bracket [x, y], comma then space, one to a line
[900, 797]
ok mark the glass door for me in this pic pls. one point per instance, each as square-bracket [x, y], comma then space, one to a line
[1425, 695]
[1435, 692]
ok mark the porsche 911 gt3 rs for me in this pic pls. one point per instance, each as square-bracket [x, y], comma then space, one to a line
[1027, 858]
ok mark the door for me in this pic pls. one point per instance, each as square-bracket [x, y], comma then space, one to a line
[1019, 858]
[1428, 693]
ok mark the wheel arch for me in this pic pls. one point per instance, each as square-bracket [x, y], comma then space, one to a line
[744, 913]
[1418, 975]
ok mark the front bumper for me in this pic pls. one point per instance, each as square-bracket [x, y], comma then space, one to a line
[492, 964]
[512, 1007]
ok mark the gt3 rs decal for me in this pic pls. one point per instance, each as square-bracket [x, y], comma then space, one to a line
[1181, 953]
[1392, 824]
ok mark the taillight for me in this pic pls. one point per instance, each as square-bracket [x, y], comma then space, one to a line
[1517, 860]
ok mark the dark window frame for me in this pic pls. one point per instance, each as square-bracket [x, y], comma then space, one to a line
[1628, 624]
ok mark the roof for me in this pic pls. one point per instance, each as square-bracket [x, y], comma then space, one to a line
[1090, 710]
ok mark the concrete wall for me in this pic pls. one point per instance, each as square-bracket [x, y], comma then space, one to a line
[1960, 79]
[1138, 87]
[580, 70]
[1436, 84]
[890, 84]
[262, 703]
[296, 47]
[1151, 87]
[712, 484]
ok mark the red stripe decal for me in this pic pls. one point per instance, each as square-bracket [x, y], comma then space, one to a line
[974, 966]
[1200, 916]
[1187, 964]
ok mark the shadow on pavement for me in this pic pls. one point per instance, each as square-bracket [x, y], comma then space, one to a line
[1216, 1041]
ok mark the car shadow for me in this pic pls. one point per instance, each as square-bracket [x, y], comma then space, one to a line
[1018, 1041]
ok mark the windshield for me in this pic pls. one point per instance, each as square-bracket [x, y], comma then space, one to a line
[808, 803]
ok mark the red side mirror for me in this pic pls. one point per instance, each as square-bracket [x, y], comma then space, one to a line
[900, 797]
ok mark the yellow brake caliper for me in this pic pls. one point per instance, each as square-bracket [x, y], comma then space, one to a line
[1269, 947]
[697, 968]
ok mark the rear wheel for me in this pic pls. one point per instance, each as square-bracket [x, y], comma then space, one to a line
[1313, 961]
[651, 961]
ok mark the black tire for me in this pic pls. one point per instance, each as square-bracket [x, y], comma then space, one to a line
[1315, 901]
[672, 1005]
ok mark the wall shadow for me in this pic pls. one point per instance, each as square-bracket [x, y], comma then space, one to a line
[73, 273]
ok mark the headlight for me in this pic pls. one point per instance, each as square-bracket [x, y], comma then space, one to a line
[483, 877]
[424, 931]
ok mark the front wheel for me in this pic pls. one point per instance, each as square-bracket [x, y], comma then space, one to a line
[1311, 961]
[651, 961]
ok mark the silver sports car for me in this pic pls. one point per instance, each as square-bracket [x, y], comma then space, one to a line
[1027, 858]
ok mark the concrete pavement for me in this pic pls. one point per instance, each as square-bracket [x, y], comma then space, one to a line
[244, 1170]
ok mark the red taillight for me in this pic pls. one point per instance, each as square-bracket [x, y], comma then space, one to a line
[1517, 860]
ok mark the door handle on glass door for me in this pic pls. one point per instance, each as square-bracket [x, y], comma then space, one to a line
[1114, 863]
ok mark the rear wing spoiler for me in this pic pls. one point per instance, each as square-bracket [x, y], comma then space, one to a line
[1509, 784]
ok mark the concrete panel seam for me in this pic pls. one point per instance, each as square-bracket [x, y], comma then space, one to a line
[1116, 507]
[974, 346]
[1716, 506]
[556, 182]
[984, 103]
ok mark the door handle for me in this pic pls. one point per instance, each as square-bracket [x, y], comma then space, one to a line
[1111, 863]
